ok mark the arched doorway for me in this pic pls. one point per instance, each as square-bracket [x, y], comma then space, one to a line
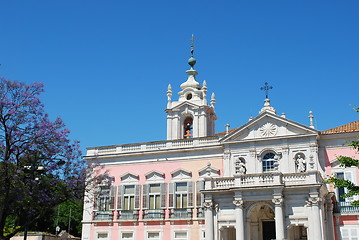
[261, 222]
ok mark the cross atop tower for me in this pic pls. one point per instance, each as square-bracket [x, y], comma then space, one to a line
[266, 88]
[192, 45]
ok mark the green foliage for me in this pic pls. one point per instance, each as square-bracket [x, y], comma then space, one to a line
[69, 210]
[346, 162]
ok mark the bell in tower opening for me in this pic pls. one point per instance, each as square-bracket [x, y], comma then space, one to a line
[188, 127]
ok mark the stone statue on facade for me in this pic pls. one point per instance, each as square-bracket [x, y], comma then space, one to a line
[301, 164]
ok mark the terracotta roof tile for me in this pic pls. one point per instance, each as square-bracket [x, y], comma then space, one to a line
[346, 128]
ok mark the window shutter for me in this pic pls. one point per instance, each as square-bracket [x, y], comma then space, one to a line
[95, 198]
[348, 177]
[190, 194]
[199, 195]
[163, 194]
[171, 195]
[120, 197]
[137, 196]
[113, 197]
[145, 196]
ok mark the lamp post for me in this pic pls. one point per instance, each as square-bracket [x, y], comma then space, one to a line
[33, 170]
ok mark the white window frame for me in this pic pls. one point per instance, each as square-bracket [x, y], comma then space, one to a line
[153, 231]
[129, 196]
[346, 171]
[181, 194]
[349, 229]
[180, 231]
[154, 194]
[124, 231]
[273, 160]
[103, 232]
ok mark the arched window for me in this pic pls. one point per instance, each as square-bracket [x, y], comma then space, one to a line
[187, 125]
[268, 162]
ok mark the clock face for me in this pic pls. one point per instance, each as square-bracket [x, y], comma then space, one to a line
[189, 96]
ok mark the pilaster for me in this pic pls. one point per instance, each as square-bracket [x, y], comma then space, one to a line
[279, 218]
[238, 203]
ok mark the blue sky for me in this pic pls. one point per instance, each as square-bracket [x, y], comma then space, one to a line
[106, 64]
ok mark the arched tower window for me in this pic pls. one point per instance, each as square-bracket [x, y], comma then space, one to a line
[268, 162]
[187, 125]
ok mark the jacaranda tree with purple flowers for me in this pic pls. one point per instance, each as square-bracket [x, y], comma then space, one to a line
[39, 166]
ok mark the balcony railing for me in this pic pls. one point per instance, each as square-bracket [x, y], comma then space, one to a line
[265, 179]
[181, 213]
[103, 215]
[127, 215]
[154, 214]
[151, 146]
[345, 208]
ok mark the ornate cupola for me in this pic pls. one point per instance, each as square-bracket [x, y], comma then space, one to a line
[190, 116]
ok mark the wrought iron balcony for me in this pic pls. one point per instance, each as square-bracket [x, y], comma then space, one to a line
[154, 214]
[103, 215]
[181, 213]
[345, 208]
[128, 215]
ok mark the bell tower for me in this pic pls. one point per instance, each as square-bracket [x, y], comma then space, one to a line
[190, 116]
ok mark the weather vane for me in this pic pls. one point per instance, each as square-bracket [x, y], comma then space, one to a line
[266, 88]
[192, 46]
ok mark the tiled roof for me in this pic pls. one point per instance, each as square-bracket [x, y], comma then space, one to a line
[346, 128]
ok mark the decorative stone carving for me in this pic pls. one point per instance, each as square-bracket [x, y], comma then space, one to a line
[277, 200]
[240, 165]
[311, 162]
[300, 162]
[208, 204]
[268, 130]
[313, 201]
[238, 202]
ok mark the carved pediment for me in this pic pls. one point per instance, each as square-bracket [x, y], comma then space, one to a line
[208, 171]
[129, 177]
[181, 174]
[154, 176]
[268, 126]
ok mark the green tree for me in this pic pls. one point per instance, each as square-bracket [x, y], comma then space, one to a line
[345, 161]
[40, 167]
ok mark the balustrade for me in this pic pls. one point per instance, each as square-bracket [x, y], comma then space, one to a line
[128, 215]
[154, 146]
[154, 214]
[345, 208]
[102, 215]
[267, 179]
[181, 213]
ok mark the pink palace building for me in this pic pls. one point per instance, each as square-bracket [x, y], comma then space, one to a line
[264, 180]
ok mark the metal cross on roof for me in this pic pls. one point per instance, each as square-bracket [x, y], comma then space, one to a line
[192, 46]
[266, 88]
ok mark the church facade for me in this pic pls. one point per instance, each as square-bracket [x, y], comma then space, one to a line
[264, 180]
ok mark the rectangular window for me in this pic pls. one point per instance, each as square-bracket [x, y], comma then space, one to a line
[103, 199]
[155, 196]
[349, 233]
[341, 191]
[129, 197]
[153, 235]
[127, 235]
[102, 236]
[180, 235]
[181, 195]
